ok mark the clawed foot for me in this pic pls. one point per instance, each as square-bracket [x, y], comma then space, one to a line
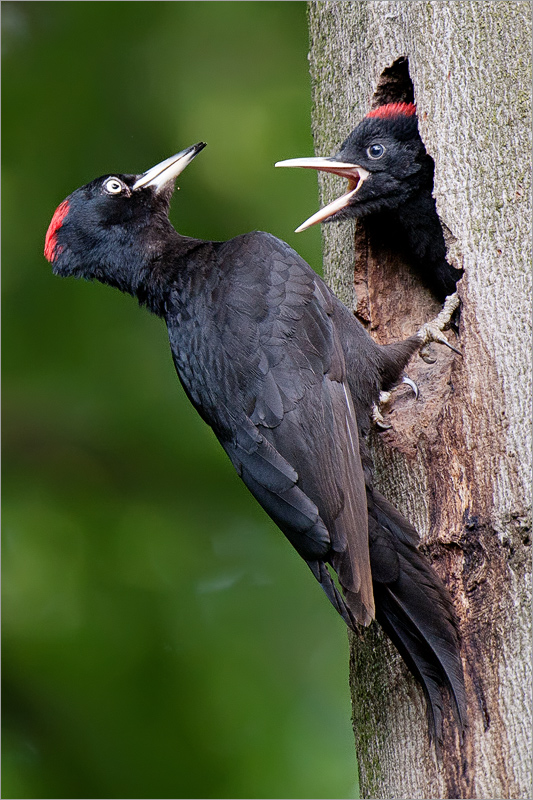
[430, 332]
[384, 398]
[377, 417]
[433, 331]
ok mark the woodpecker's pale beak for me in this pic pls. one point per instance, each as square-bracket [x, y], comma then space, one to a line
[168, 170]
[354, 174]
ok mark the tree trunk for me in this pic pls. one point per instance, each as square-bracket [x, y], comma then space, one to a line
[456, 461]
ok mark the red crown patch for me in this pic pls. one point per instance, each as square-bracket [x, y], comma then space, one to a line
[393, 110]
[57, 220]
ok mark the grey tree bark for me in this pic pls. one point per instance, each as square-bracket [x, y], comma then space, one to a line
[457, 461]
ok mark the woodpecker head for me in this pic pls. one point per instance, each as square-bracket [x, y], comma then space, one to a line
[384, 161]
[108, 228]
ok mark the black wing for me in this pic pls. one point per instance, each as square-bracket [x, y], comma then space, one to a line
[259, 357]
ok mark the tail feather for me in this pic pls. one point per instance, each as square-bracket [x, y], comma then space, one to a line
[432, 667]
[413, 607]
[415, 610]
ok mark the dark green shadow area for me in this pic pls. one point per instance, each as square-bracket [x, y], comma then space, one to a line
[161, 639]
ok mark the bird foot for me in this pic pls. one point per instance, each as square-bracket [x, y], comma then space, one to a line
[377, 416]
[385, 398]
[433, 331]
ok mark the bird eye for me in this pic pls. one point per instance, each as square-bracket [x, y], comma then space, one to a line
[113, 186]
[375, 151]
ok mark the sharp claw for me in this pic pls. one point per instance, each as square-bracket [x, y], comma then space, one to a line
[433, 331]
[412, 384]
[425, 354]
[384, 426]
[455, 350]
[377, 417]
[384, 398]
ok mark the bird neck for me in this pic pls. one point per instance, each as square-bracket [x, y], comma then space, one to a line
[419, 219]
[169, 267]
[146, 265]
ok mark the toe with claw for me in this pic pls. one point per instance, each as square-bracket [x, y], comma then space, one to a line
[433, 331]
[412, 384]
[384, 398]
[377, 417]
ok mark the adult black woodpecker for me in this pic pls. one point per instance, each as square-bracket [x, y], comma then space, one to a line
[286, 377]
[390, 185]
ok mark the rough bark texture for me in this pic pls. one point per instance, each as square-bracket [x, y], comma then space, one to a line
[457, 462]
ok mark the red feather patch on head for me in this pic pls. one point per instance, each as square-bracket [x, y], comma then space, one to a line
[57, 220]
[393, 110]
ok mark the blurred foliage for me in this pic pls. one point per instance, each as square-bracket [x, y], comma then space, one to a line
[161, 638]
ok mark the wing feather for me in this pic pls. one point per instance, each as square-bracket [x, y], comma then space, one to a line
[266, 370]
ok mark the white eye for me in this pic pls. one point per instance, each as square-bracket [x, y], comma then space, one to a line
[113, 186]
[375, 151]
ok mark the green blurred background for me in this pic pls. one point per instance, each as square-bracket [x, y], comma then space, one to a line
[161, 639]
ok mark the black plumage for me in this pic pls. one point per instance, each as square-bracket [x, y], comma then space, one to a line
[286, 377]
[390, 178]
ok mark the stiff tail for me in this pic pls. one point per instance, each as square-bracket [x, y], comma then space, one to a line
[415, 610]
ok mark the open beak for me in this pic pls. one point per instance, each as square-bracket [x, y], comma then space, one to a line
[354, 174]
[168, 170]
